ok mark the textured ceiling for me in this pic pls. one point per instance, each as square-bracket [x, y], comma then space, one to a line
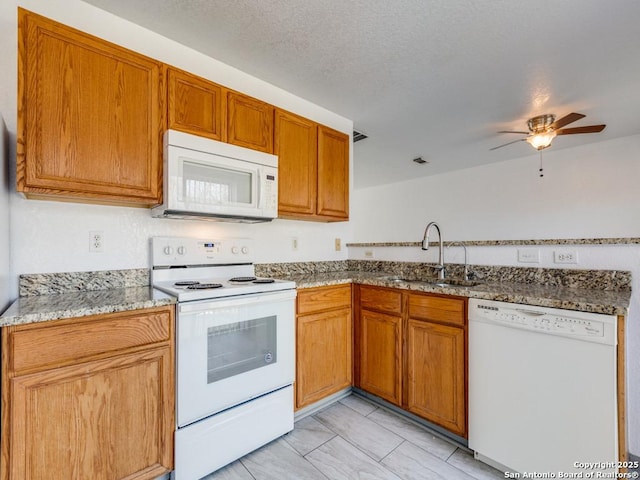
[430, 78]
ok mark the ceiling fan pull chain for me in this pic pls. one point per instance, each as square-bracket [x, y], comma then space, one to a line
[541, 169]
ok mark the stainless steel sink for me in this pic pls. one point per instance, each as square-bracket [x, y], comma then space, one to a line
[447, 282]
[455, 282]
[393, 278]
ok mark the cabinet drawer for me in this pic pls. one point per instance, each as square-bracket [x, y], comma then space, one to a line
[427, 307]
[381, 299]
[323, 298]
[72, 341]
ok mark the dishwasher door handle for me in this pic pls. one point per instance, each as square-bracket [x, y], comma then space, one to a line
[533, 313]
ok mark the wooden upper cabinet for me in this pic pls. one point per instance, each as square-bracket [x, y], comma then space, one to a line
[313, 169]
[333, 174]
[296, 144]
[196, 105]
[249, 122]
[90, 117]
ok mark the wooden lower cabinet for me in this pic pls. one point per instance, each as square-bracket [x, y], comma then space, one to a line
[379, 332]
[411, 351]
[323, 343]
[381, 355]
[436, 360]
[89, 398]
[436, 374]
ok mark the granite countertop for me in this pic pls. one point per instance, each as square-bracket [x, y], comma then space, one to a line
[585, 300]
[42, 308]
[46, 297]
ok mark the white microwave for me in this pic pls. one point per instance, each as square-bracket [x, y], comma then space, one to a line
[213, 180]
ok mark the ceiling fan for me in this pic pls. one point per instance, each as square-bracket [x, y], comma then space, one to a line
[544, 128]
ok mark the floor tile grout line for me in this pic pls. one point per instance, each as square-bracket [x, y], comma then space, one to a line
[394, 449]
[450, 455]
[375, 407]
[356, 446]
[415, 423]
[315, 448]
[468, 474]
[423, 428]
[404, 439]
[247, 469]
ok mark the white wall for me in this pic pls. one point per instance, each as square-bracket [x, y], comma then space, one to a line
[5, 279]
[587, 192]
[51, 236]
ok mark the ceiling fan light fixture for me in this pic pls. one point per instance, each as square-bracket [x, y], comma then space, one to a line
[540, 141]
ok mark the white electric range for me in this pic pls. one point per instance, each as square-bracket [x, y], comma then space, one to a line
[235, 353]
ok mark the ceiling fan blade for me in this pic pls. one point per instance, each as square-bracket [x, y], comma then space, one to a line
[505, 144]
[566, 120]
[511, 131]
[587, 129]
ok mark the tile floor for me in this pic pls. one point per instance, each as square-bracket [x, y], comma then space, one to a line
[354, 439]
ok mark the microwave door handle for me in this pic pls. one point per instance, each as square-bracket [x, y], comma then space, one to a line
[259, 188]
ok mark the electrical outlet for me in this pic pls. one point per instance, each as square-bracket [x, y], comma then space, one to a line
[565, 256]
[528, 255]
[338, 244]
[294, 243]
[368, 254]
[96, 241]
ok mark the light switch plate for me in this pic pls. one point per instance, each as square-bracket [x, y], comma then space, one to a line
[529, 255]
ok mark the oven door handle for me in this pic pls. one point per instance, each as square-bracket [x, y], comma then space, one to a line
[241, 300]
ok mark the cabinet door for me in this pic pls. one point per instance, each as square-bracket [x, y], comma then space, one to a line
[380, 347]
[250, 122]
[333, 174]
[105, 419]
[90, 117]
[435, 374]
[196, 105]
[296, 144]
[323, 349]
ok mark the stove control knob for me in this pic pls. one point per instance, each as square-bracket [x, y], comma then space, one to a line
[181, 250]
[168, 250]
[234, 250]
[245, 250]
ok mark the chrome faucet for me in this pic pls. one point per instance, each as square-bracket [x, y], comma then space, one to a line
[425, 246]
[466, 267]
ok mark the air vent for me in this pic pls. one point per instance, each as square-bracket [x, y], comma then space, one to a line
[357, 136]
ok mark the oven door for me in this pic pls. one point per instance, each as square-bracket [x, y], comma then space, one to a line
[231, 350]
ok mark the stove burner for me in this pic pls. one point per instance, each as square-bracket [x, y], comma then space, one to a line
[264, 280]
[204, 286]
[242, 279]
[186, 283]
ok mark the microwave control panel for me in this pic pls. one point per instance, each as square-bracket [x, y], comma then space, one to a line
[270, 192]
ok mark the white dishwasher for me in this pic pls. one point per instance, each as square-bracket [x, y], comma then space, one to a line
[542, 388]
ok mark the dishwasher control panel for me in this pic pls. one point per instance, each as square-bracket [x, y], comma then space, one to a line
[545, 320]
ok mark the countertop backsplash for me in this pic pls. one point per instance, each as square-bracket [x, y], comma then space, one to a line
[608, 280]
[65, 282]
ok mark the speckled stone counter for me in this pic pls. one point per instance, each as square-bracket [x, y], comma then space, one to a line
[42, 308]
[611, 302]
[54, 296]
